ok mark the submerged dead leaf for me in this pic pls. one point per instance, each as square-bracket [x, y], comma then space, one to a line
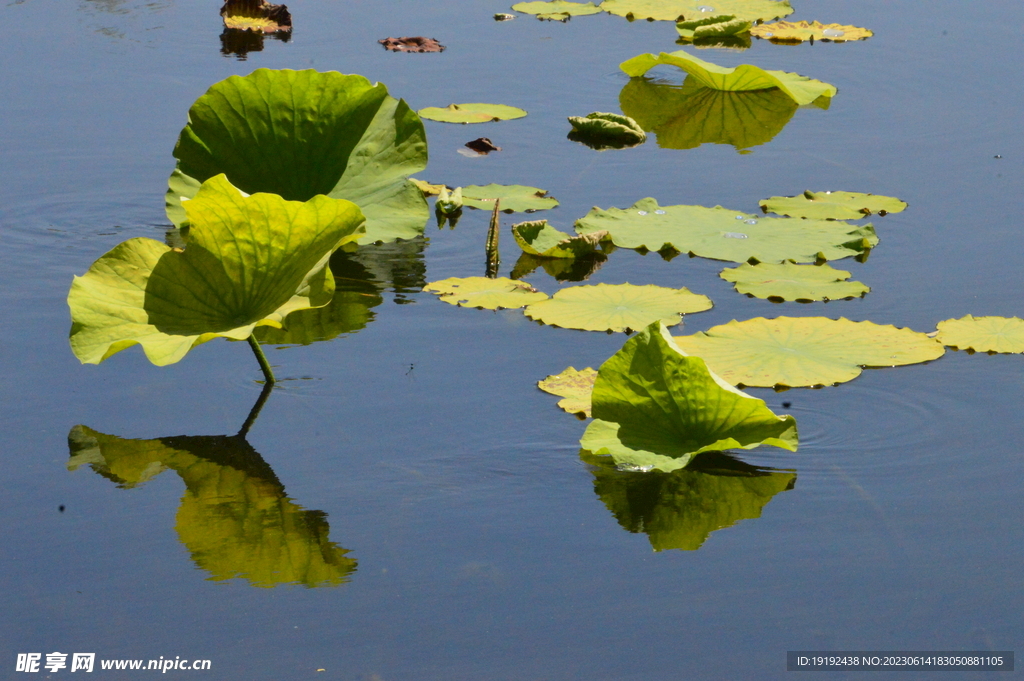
[482, 145]
[256, 15]
[412, 44]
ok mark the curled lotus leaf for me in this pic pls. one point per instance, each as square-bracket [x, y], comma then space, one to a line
[655, 407]
[256, 15]
[743, 78]
[799, 31]
[484, 292]
[788, 281]
[616, 307]
[680, 510]
[983, 334]
[606, 131]
[471, 113]
[832, 205]
[722, 234]
[250, 261]
[515, 198]
[712, 27]
[806, 351]
[427, 188]
[557, 10]
[299, 134]
[541, 239]
[574, 387]
[688, 10]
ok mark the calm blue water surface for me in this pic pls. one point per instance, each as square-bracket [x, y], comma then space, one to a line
[483, 550]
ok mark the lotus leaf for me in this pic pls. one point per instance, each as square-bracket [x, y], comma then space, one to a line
[250, 261]
[557, 10]
[983, 334]
[303, 133]
[484, 292]
[799, 31]
[562, 269]
[679, 510]
[574, 387]
[655, 407]
[235, 519]
[541, 239]
[471, 113]
[723, 234]
[449, 204]
[787, 281]
[832, 205]
[427, 188]
[806, 351]
[616, 307]
[682, 10]
[712, 27]
[606, 131]
[688, 116]
[255, 15]
[742, 78]
[515, 198]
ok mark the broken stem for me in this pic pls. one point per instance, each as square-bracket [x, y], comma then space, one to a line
[262, 359]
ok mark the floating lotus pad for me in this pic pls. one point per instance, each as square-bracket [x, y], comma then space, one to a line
[983, 334]
[574, 387]
[471, 113]
[515, 198]
[806, 351]
[490, 294]
[688, 10]
[655, 407]
[541, 239]
[799, 31]
[558, 10]
[303, 133]
[787, 281]
[250, 261]
[606, 131]
[616, 307]
[723, 234]
[712, 27]
[743, 78]
[832, 205]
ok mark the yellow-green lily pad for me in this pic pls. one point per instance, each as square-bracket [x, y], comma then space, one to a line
[983, 334]
[515, 198]
[616, 307]
[799, 31]
[471, 113]
[712, 27]
[832, 205]
[574, 387]
[486, 293]
[557, 10]
[789, 281]
[688, 10]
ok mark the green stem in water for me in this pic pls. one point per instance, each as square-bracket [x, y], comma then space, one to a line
[262, 359]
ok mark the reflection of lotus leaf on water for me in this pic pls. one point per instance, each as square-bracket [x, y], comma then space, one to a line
[234, 518]
[679, 510]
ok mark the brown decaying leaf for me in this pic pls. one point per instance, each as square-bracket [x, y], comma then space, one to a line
[412, 44]
[482, 145]
[256, 15]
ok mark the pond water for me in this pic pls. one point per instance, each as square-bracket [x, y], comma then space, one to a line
[439, 493]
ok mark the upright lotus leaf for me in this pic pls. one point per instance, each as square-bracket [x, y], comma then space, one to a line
[723, 234]
[616, 307]
[515, 198]
[234, 519]
[799, 31]
[255, 15]
[250, 261]
[655, 407]
[541, 239]
[606, 131]
[712, 27]
[574, 387]
[788, 281]
[983, 334]
[805, 351]
[303, 133]
[557, 10]
[679, 510]
[691, 115]
[832, 205]
[485, 292]
[686, 10]
[471, 113]
[742, 78]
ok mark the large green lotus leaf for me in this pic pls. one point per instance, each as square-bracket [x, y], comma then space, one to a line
[541, 239]
[742, 78]
[303, 133]
[250, 261]
[476, 112]
[574, 387]
[689, 116]
[484, 292]
[832, 205]
[234, 519]
[787, 281]
[805, 351]
[723, 234]
[515, 198]
[655, 407]
[679, 510]
[616, 307]
[983, 334]
[557, 10]
[681, 10]
[799, 31]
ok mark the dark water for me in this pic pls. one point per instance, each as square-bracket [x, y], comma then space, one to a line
[410, 469]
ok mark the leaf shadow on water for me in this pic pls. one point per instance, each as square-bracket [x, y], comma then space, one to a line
[239, 43]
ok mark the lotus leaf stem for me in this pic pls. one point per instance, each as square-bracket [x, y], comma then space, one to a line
[262, 359]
